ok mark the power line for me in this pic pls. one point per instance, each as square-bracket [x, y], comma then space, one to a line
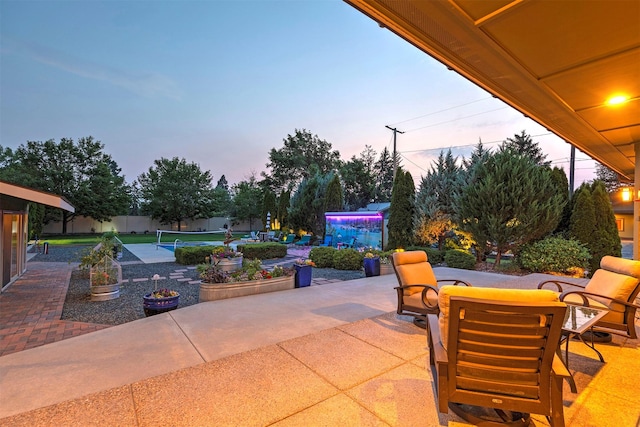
[442, 111]
[470, 145]
[459, 118]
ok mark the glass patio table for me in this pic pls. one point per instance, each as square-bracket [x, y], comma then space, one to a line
[578, 320]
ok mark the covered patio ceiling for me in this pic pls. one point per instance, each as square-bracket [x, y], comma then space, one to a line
[558, 62]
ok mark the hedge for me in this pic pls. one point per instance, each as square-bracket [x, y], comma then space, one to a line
[458, 258]
[347, 259]
[322, 256]
[262, 251]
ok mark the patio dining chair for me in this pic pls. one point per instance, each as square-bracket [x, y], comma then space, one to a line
[418, 286]
[493, 353]
[614, 286]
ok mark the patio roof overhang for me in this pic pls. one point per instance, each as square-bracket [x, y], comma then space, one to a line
[36, 196]
[557, 62]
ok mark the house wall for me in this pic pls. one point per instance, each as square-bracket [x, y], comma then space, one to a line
[625, 226]
[13, 238]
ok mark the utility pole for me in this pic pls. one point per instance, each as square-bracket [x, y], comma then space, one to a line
[395, 161]
[572, 170]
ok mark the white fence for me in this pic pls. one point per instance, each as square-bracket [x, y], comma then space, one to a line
[141, 224]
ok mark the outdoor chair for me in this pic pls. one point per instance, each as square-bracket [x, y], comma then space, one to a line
[288, 240]
[275, 237]
[350, 244]
[328, 241]
[304, 240]
[418, 290]
[614, 286]
[493, 354]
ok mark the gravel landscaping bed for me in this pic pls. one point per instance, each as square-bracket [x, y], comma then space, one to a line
[128, 307]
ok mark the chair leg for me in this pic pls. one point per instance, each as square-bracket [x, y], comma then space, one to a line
[557, 409]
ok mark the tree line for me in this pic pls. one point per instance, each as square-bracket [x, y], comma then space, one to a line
[173, 189]
[494, 201]
[500, 202]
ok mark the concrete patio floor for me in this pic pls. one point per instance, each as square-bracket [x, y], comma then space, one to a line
[330, 355]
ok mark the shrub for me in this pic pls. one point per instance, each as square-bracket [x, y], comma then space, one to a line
[457, 258]
[433, 255]
[192, 255]
[322, 256]
[267, 250]
[554, 255]
[347, 259]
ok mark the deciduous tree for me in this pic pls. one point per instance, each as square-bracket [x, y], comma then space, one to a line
[173, 190]
[79, 171]
[246, 200]
[290, 164]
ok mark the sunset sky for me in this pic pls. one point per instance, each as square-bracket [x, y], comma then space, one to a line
[220, 83]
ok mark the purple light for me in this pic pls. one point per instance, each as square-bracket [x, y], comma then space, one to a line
[339, 217]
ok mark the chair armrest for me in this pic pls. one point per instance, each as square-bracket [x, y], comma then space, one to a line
[558, 284]
[455, 282]
[585, 300]
[559, 368]
[425, 300]
[411, 286]
[435, 346]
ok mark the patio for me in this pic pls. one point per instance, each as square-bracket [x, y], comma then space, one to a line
[322, 355]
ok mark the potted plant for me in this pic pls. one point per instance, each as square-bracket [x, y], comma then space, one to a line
[251, 279]
[160, 300]
[226, 259]
[304, 272]
[104, 279]
[385, 263]
[371, 263]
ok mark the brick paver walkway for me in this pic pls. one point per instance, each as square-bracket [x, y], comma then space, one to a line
[30, 309]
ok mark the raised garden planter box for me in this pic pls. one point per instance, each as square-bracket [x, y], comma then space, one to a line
[229, 264]
[218, 291]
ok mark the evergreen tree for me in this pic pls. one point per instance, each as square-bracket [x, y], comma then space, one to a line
[222, 198]
[333, 199]
[435, 199]
[562, 185]
[510, 203]
[606, 240]
[269, 207]
[306, 210]
[402, 211]
[383, 173]
[524, 145]
[283, 208]
[610, 178]
[583, 217]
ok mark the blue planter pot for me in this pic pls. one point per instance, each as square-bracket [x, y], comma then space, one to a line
[303, 275]
[153, 306]
[372, 267]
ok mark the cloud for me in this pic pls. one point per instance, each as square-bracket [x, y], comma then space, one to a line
[145, 84]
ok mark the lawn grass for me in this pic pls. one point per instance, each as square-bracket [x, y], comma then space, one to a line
[93, 239]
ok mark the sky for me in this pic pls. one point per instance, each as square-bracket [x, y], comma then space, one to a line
[221, 83]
